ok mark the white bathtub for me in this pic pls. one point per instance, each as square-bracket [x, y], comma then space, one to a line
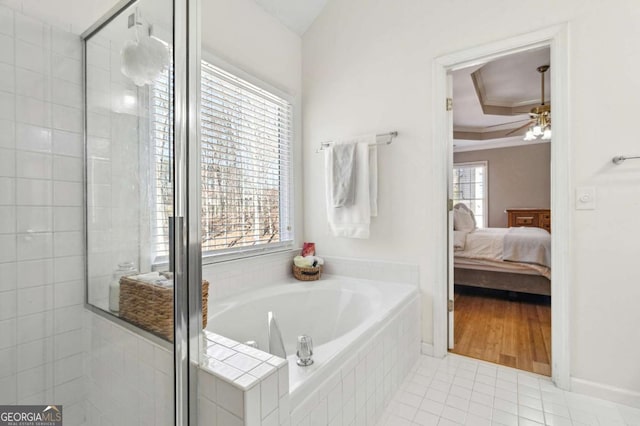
[340, 314]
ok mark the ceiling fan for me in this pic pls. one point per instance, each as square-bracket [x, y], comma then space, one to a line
[540, 121]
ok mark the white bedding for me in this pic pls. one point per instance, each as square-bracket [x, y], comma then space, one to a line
[459, 240]
[486, 244]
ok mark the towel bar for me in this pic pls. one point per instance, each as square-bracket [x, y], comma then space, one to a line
[388, 141]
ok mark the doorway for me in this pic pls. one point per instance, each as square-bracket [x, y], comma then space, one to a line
[555, 39]
[500, 189]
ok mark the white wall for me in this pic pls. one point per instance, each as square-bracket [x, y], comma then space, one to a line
[41, 263]
[242, 34]
[367, 67]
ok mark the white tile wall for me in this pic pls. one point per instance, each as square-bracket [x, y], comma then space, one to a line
[232, 277]
[40, 295]
[117, 186]
[129, 380]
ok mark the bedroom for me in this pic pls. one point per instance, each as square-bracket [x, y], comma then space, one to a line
[500, 187]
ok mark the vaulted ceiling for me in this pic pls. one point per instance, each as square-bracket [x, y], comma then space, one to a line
[297, 15]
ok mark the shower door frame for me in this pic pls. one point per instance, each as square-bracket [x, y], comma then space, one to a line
[188, 294]
[185, 244]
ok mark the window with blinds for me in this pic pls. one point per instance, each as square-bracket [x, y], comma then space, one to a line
[161, 126]
[246, 141]
[470, 188]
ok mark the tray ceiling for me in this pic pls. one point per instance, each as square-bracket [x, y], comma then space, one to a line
[492, 99]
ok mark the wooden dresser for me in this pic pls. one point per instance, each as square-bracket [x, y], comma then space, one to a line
[540, 218]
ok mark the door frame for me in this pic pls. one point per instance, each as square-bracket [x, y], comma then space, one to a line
[556, 37]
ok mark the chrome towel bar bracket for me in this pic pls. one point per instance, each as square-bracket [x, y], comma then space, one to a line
[621, 158]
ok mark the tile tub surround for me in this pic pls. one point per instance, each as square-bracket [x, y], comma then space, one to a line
[370, 269]
[458, 390]
[357, 391]
[237, 276]
[240, 385]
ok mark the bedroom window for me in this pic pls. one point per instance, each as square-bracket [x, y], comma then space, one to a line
[470, 188]
[246, 176]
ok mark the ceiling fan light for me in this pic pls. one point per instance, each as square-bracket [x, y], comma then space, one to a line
[529, 135]
[547, 134]
[537, 130]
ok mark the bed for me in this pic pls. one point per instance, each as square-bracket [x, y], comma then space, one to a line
[512, 259]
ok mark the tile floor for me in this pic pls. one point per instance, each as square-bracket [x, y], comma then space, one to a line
[458, 390]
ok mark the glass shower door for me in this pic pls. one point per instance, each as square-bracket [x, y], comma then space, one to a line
[139, 260]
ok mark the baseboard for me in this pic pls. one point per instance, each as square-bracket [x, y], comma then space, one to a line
[426, 349]
[610, 393]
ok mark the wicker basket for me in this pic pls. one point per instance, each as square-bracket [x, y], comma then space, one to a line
[310, 273]
[150, 306]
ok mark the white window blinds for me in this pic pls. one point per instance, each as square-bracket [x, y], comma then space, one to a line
[161, 125]
[246, 135]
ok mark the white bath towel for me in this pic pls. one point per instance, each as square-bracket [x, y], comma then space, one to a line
[343, 171]
[373, 178]
[352, 221]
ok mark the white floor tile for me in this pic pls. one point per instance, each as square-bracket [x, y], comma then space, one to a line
[436, 395]
[432, 407]
[426, 419]
[473, 420]
[408, 398]
[447, 422]
[526, 422]
[506, 406]
[480, 410]
[482, 398]
[462, 391]
[553, 420]
[454, 414]
[530, 402]
[504, 418]
[506, 395]
[531, 414]
[406, 411]
[416, 389]
[556, 409]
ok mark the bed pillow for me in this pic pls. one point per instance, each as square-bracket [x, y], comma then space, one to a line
[463, 219]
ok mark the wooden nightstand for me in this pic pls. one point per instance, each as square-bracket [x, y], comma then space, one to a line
[537, 218]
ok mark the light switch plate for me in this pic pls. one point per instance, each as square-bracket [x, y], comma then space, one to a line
[586, 198]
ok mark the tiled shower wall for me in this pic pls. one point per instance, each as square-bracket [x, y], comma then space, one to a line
[41, 263]
[116, 178]
[129, 379]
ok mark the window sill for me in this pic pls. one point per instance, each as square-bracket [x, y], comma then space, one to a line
[230, 256]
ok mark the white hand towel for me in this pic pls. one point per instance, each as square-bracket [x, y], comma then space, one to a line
[352, 221]
[342, 157]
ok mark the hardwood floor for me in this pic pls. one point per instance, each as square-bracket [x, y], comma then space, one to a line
[511, 329]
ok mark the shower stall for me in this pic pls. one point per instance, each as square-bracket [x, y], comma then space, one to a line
[98, 199]
[143, 260]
